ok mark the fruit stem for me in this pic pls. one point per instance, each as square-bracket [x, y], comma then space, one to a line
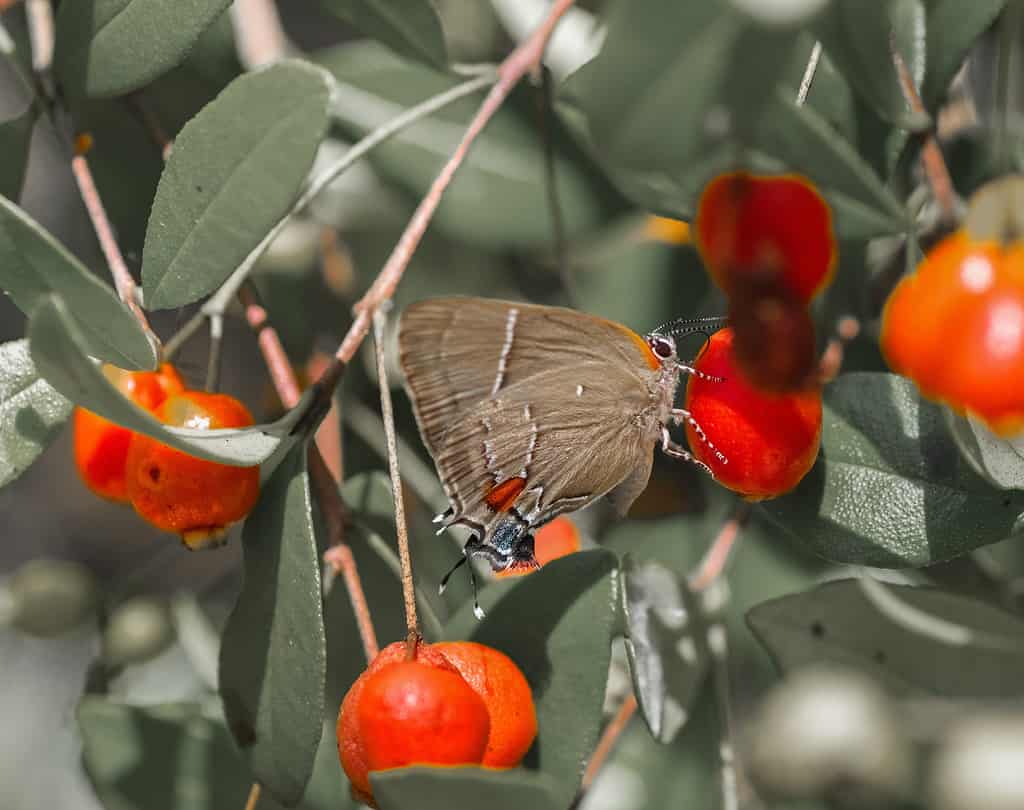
[332, 507]
[932, 161]
[386, 411]
[254, 796]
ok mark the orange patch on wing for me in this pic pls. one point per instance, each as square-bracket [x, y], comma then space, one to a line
[649, 356]
[502, 496]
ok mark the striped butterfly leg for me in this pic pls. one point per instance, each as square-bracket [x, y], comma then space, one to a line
[684, 368]
[473, 546]
[680, 416]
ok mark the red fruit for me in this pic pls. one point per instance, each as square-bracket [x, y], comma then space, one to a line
[770, 441]
[496, 678]
[401, 712]
[956, 325]
[100, 446]
[551, 541]
[176, 492]
[774, 230]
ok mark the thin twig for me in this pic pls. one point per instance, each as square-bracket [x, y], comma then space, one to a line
[402, 532]
[123, 281]
[39, 15]
[808, 77]
[328, 435]
[254, 796]
[524, 59]
[932, 161]
[258, 33]
[213, 360]
[332, 507]
[609, 737]
[717, 556]
[718, 643]
[149, 121]
[847, 328]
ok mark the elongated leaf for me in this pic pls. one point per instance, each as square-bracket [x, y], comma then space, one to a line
[837, 622]
[666, 641]
[856, 37]
[273, 654]
[890, 488]
[445, 788]
[33, 264]
[498, 197]
[998, 459]
[111, 47]
[951, 29]
[704, 71]
[31, 411]
[233, 173]
[409, 27]
[557, 625]
[15, 135]
[54, 339]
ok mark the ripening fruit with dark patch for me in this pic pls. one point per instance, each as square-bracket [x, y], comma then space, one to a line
[773, 230]
[179, 493]
[956, 325]
[409, 712]
[773, 340]
[100, 446]
[769, 441]
[504, 689]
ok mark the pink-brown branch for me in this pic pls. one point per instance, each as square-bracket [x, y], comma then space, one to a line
[524, 59]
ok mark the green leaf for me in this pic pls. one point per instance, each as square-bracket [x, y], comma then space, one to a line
[54, 339]
[498, 196]
[997, 459]
[856, 35]
[111, 47]
[31, 411]
[33, 264]
[666, 642]
[235, 170]
[704, 71]
[798, 136]
[557, 625]
[951, 28]
[273, 653]
[409, 27]
[15, 135]
[890, 488]
[444, 788]
[837, 622]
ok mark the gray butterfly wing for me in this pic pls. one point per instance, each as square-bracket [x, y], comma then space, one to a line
[549, 444]
[457, 352]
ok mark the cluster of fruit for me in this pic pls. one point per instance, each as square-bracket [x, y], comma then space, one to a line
[173, 491]
[767, 242]
[452, 703]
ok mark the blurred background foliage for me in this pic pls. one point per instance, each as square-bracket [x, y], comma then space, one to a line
[650, 100]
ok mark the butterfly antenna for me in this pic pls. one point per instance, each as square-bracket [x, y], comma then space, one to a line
[682, 327]
[452, 570]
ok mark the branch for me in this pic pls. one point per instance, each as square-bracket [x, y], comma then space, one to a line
[932, 161]
[717, 555]
[609, 737]
[258, 33]
[332, 507]
[524, 59]
[402, 532]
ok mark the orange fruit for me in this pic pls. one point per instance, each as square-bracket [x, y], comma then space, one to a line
[773, 229]
[400, 712]
[956, 328]
[100, 446]
[496, 678]
[769, 441]
[176, 492]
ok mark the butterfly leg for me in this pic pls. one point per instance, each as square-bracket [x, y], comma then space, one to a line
[673, 450]
[688, 369]
[473, 547]
[680, 416]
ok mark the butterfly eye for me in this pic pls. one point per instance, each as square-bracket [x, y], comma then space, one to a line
[662, 346]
